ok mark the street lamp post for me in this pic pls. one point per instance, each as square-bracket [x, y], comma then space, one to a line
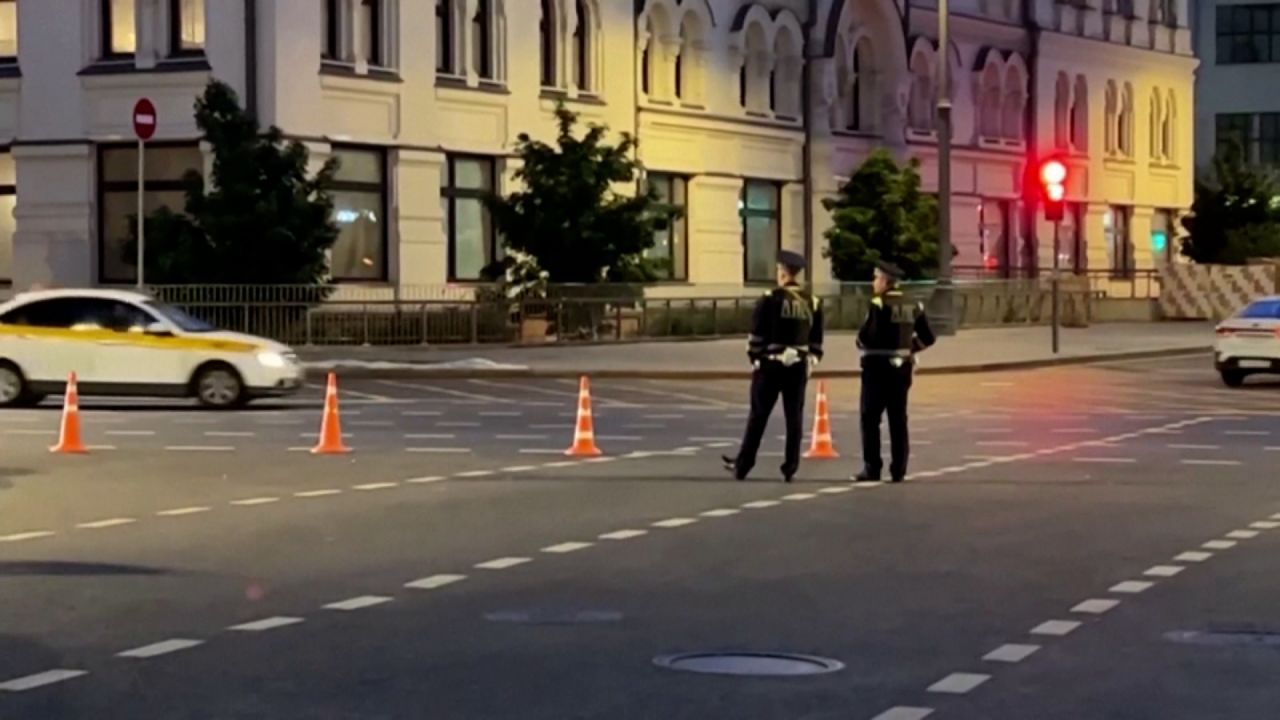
[944, 302]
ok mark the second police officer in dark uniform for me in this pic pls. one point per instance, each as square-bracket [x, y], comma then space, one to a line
[786, 339]
[895, 330]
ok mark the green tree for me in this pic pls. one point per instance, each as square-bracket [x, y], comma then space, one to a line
[262, 218]
[881, 214]
[568, 217]
[1235, 215]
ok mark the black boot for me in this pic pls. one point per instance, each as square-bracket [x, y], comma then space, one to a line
[731, 466]
[867, 476]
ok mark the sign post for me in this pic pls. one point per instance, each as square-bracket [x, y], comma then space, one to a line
[144, 126]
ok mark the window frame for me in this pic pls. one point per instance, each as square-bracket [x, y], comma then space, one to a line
[383, 188]
[685, 180]
[377, 55]
[1235, 47]
[548, 45]
[584, 78]
[107, 35]
[176, 48]
[446, 39]
[482, 40]
[450, 193]
[331, 38]
[745, 212]
[1123, 265]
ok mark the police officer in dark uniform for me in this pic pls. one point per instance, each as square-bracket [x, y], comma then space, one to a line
[785, 342]
[895, 330]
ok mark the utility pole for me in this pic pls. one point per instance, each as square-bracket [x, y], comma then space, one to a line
[944, 298]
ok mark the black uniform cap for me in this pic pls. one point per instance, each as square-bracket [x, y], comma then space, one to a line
[792, 261]
[892, 271]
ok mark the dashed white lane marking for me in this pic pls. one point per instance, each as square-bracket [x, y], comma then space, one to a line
[1242, 534]
[567, 547]
[48, 677]
[1211, 462]
[721, 444]
[835, 490]
[358, 603]
[521, 437]
[31, 535]
[376, 486]
[461, 424]
[500, 413]
[439, 450]
[474, 473]
[503, 563]
[598, 460]
[518, 468]
[644, 426]
[230, 433]
[1131, 587]
[712, 439]
[1095, 606]
[422, 413]
[1193, 446]
[250, 502]
[799, 496]
[161, 648]
[1219, 544]
[427, 480]
[760, 504]
[1056, 628]
[23, 431]
[199, 448]
[903, 712]
[1011, 653]
[720, 512]
[317, 493]
[866, 484]
[619, 438]
[958, 683]
[1193, 556]
[664, 417]
[1249, 433]
[1163, 570]
[1114, 460]
[109, 523]
[177, 512]
[130, 433]
[561, 463]
[433, 582]
[1265, 525]
[623, 534]
[675, 522]
[1272, 448]
[265, 624]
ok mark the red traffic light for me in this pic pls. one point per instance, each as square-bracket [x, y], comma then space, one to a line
[1053, 172]
[1054, 193]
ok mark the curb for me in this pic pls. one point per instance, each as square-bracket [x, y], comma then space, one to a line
[426, 372]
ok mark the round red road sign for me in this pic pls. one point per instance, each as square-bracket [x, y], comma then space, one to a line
[144, 119]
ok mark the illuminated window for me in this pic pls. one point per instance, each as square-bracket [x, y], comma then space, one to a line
[761, 213]
[1115, 229]
[360, 210]
[119, 34]
[8, 30]
[473, 243]
[186, 19]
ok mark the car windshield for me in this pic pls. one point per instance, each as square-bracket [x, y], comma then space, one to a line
[1262, 310]
[181, 318]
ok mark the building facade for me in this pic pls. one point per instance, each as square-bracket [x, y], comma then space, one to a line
[1239, 49]
[749, 113]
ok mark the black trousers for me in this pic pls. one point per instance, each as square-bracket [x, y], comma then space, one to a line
[884, 390]
[767, 383]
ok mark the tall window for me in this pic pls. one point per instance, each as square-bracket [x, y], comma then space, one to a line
[482, 39]
[1115, 228]
[670, 249]
[118, 198]
[1248, 33]
[473, 244]
[1073, 251]
[995, 235]
[1061, 111]
[445, 62]
[1124, 123]
[547, 38]
[332, 49]
[761, 229]
[371, 45]
[186, 26]
[8, 31]
[360, 209]
[119, 36]
[1162, 234]
[1080, 115]
[582, 40]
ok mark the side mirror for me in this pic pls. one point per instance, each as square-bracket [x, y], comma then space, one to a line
[158, 329]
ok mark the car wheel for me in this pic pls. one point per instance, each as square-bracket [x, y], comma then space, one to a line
[1232, 378]
[219, 386]
[13, 386]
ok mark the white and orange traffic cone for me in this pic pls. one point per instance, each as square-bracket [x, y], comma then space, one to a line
[584, 435]
[822, 446]
[330, 441]
[69, 440]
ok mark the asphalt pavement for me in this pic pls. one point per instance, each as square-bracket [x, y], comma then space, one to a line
[1075, 542]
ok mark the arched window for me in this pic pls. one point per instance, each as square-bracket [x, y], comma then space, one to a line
[646, 59]
[991, 92]
[1015, 101]
[547, 43]
[445, 59]
[691, 62]
[1124, 123]
[1167, 128]
[858, 88]
[583, 48]
[655, 54]
[1080, 115]
[757, 71]
[785, 79]
[1112, 110]
[1061, 112]
[1154, 124]
[482, 40]
[920, 105]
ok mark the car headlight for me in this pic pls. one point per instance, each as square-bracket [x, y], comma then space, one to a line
[271, 359]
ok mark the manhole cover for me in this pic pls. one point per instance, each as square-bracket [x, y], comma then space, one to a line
[1247, 635]
[749, 663]
[554, 617]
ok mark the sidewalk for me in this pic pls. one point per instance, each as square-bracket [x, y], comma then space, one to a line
[968, 351]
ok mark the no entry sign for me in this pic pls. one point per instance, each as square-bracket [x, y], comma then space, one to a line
[144, 119]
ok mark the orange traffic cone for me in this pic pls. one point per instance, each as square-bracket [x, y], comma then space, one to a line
[69, 441]
[584, 436]
[330, 442]
[822, 447]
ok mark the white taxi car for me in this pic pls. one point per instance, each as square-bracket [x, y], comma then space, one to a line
[124, 343]
[1249, 343]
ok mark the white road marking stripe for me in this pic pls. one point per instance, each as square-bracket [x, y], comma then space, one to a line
[21, 431]
[425, 480]
[176, 512]
[32, 535]
[1056, 628]
[1250, 433]
[623, 534]
[519, 468]
[503, 563]
[199, 448]
[1011, 653]
[868, 484]
[1131, 587]
[358, 603]
[598, 460]
[567, 547]
[1193, 556]
[422, 413]
[372, 423]
[375, 486]
[722, 444]
[958, 683]
[560, 463]
[903, 712]
[264, 624]
[675, 522]
[1192, 446]
[464, 424]
[112, 522]
[712, 439]
[521, 437]
[663, 417]
[317, 493]
[720, 512]
[230, 433]
[1210, 462]
[249, 502]
[440, 450]
[95, 448]
[474, 474]
[644, 426]
[161, 648]
[48, 677]
[435, 581]
[1163, 570]
[1095, 606]
[1113, 460]
[1272, 448]
[1243, 534]
[130, 433]
[799, 496]
[838, 489]
[500, 413]
[760, 504]
[1219, 544]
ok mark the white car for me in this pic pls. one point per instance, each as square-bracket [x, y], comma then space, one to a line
[125, 343]
[1249, 343]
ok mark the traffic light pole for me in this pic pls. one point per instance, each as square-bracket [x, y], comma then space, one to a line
[1057, 226]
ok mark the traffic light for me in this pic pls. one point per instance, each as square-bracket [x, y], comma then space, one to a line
[1053, 187]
